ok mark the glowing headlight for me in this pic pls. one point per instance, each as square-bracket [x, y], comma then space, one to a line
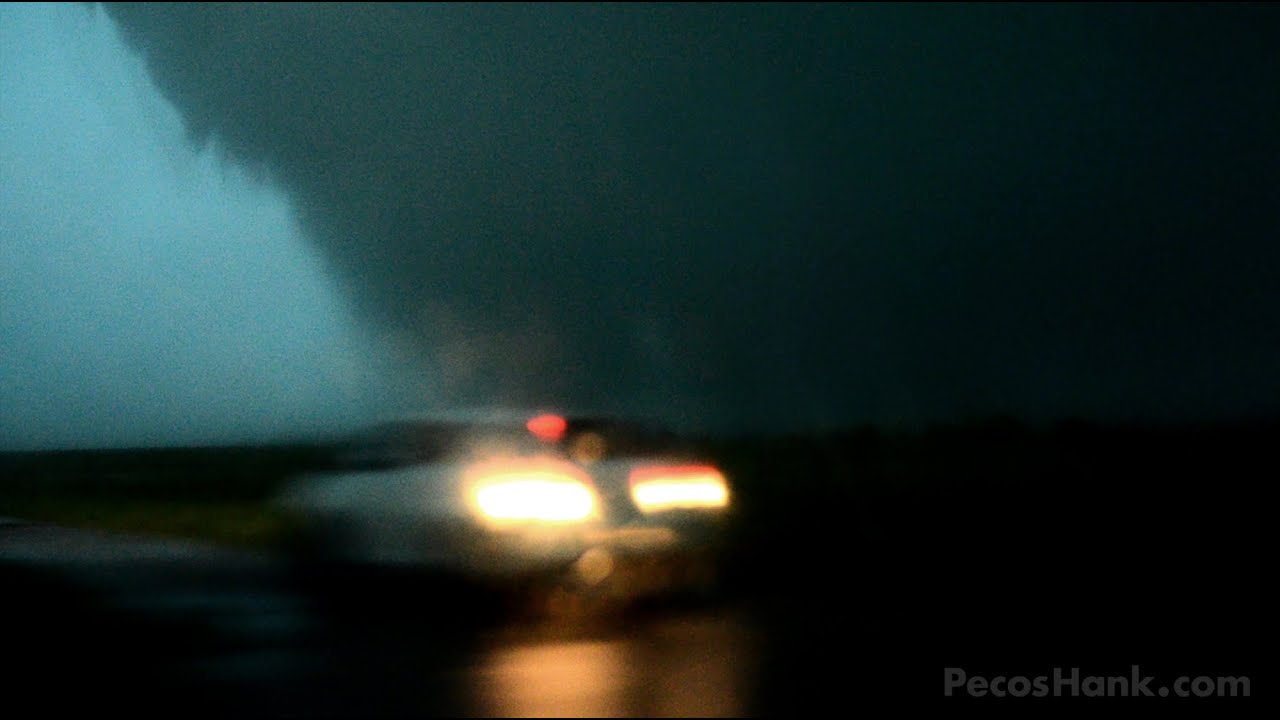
[680, 487]
[539, 492]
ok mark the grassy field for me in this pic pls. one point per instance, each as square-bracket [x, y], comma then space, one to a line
[219, 495]
[245, 524]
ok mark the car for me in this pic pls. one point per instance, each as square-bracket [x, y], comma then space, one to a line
[539, 504]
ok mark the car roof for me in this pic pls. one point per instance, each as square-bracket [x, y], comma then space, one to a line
[420, 436]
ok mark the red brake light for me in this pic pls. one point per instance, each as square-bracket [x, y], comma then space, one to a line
[548, 428]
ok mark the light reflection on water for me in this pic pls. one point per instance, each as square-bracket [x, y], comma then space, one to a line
[690, 666]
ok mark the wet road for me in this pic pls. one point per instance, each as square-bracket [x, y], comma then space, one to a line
[136, 624]
[93, 622]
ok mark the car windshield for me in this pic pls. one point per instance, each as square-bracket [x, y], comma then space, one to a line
[745, 358]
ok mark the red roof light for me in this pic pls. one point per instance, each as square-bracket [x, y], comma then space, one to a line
[547, 428]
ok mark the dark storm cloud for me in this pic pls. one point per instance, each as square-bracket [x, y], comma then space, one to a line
[745, 212]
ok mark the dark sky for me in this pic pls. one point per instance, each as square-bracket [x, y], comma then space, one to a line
[751, 216]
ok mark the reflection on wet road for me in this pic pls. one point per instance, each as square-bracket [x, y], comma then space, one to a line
[676, 666]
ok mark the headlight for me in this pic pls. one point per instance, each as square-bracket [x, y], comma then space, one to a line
[678, 487]
[536, 491]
